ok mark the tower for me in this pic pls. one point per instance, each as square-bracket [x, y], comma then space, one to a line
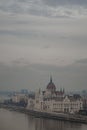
[51, 86]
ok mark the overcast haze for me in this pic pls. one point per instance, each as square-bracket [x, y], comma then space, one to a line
[39, 38]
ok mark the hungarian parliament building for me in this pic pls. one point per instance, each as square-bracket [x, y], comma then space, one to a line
[52, 100]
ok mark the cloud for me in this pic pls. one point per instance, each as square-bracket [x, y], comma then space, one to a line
[35, 76]
[82, 61]
[52, 8]
[65, 2]
[42, 40]
[41, 37]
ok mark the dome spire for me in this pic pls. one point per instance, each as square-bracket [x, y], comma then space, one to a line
[50, 79]
[51, 86]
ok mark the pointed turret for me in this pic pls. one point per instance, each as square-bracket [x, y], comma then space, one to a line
[50, 79]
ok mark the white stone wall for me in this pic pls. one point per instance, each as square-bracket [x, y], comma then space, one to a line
[15, 99]
[65, 105]
[18, 97]
[31, 103]
[38, 101]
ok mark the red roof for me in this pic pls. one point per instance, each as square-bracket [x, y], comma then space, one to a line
[59, 93]
[51, 86]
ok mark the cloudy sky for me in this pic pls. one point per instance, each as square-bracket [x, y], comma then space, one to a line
[39, 38]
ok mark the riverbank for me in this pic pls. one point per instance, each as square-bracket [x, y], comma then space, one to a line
[49, 115]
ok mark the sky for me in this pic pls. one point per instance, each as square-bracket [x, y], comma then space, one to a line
[39, 38]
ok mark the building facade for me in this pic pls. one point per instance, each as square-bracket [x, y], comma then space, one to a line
[52, 100]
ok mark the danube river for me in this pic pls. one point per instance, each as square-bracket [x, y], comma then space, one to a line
[11, 120]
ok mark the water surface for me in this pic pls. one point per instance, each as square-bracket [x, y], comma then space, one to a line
[11, 120]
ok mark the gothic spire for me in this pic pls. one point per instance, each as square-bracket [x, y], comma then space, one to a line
[50, 79]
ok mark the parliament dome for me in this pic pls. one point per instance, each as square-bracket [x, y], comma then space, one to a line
[51, 85]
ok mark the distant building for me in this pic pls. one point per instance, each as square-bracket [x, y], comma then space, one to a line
[84, 96]
[24, 91]
[57, 101]
[16, 98]
[85, 103]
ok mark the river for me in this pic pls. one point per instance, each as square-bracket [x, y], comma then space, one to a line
[11, 120]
